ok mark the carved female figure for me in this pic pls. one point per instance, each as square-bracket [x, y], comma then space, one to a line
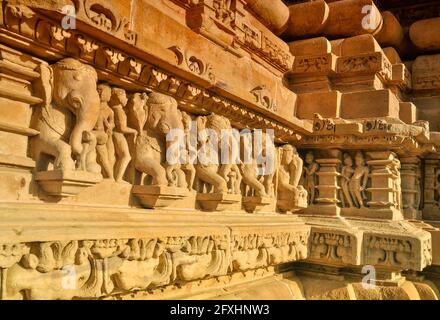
[208, 166]
[188, 166]
[119, 102]
[104, 131]
[359, 180]
[397, 182]
[249, 170]
[289, 176]
[346, 174]
[310, 176]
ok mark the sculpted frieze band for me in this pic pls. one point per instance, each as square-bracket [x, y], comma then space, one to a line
[97, 268]
[90, 132]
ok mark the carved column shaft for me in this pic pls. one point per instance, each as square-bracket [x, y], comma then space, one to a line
[328, 176]
[431, 209]
[383, 179]
[411, 187]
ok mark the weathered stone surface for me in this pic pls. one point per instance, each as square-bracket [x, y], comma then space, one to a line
[352, 17]
[307, 19]
[357, 105]
[218, 149]
[424, 34]
[391, 33]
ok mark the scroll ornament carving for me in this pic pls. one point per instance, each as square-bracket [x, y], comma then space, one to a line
[193, 64]
[262, 97]
[100, 14]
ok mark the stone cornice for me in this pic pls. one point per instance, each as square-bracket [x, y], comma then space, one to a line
[187, 77]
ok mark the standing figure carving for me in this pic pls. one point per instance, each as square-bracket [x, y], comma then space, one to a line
[189, 152]
[397, 183]
[359, 180]
[208, 167]
[346, 174]
[249, 167]
[310, 176]
[118, 103]
[104, 133]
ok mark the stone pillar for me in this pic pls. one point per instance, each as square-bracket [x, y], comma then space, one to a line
[327, 202]
[384, 195]
[17, 74]
[431, 209]
[411, 188]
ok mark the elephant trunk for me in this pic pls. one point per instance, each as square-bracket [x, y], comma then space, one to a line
[86, 119]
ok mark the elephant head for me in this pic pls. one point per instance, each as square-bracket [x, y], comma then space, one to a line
[73, 85]
[163, 115]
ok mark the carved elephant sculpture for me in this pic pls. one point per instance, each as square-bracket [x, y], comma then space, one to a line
[67, 117]
[162, 116]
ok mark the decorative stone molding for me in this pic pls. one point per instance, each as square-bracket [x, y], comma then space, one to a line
[230, 25]
[96, 268]
[397, 252]
[334, 247]
[145, 75]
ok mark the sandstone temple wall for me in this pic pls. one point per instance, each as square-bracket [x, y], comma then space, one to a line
[328, 113]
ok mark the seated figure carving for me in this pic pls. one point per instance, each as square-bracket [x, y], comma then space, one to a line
[291, 195]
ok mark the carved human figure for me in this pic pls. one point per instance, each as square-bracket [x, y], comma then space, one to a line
[359, 180]
[249, 170]
[223, 10]
[189, 152]
[346, 174]
[162, 116]
[71, 108]
[310, 171]
[397, 182]
[207, 168]
[104, 132]
[289, 175]
[119, 101]
[269, 160]
[228, 146]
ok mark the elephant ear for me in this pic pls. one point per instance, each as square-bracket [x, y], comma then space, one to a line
[137, 113]
[44, 85]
